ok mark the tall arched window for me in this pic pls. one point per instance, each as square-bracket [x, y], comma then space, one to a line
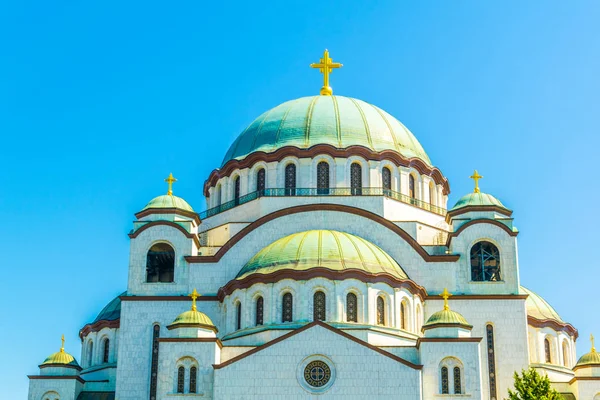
[193, 379]
[402, 316]
[106, 350]
[457, 381]
[259, 311]
[380, 311]
[218, 196]
[236, 190]
[180, 379]
[351, 308]
[290, 179]
[418, 319]
[547, 351]
[412, 193]
[444, 379]
[160, 263]
[319, 306]
[431, 193]
[356, 179]
[154, 362]
[485, 262]
[238, 316]
[287, 308]
[323, 178]
[386, 180]
[491, 353]
[565, 349]
[261, 182]
[90, 355]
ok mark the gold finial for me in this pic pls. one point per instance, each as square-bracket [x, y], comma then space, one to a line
[194, 295]
[446, 295]
[62, 346]
[592, 339]
[170, 180]
[325, 66]
[476, 177]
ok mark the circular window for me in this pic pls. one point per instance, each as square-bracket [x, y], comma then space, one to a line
[317, 374]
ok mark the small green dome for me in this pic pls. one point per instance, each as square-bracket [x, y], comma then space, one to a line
[192, 317]
[477, 200]
[60, 358]
[335, 120]
[112, 311]
[591, 358]
[336, 251]
[538, 308]
[168, 201]
[446, 317]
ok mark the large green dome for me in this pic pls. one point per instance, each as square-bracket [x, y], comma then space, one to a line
[335, 120]
[333, 250]
[539, 308]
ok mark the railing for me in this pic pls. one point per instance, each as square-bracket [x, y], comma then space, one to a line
[309, 192]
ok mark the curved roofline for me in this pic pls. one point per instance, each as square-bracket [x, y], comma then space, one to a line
[319, 149]
[320, 272]
[322, 207]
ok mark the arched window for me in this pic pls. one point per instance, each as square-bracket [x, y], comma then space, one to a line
[412, 193]
[565, 348]
[431, 193]
[351, 308]
[323, 178]
[236, 191]
[154, 362]
[418, 319]
[457, 382]
[193, 379]
[485, 262]
[356, 179]
[402, 316]
[491, 353]
[259, 311]
[380, 311]
[547, 351]
[319, 306]
[180, 379]
[106, 351]
[290, 179]
[261, 182]
[287, 308]
[444, 378]
[238, 316]
[386, 180]
[160, 263]
[218, 196]
[90, 355]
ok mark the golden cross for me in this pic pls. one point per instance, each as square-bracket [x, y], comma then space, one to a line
[446, 295]
[170, 180]
[476, 177]
[325, 66]
[592, 339]
[194, 295]
[62, 346]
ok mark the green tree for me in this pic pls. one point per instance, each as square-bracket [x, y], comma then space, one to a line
[532, 386]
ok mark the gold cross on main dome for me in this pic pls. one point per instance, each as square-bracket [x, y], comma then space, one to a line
[194, 295]
[325, 66]
[170, 180]
[446, 295]
[476, 177]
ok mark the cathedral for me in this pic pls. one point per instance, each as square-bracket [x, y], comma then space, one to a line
[327, 264]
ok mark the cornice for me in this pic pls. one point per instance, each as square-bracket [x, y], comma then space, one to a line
[332, 151]
[480, 221]
[449, 340]
[463, 210]
[553, 324]
[141, 229]
[98, 326]
[150, 211]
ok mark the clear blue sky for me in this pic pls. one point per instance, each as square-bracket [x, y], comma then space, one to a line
[99, 101]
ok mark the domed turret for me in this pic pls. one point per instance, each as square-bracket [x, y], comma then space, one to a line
[60, 358]
[591, 359]
[446, 317]
[478, 200]
[193, 323]
[169, 200]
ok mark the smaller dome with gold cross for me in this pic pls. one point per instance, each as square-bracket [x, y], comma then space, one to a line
[169, 200]
[591, 359]
[446, 317]
[60, 359]
[478, 199]
[193, 318]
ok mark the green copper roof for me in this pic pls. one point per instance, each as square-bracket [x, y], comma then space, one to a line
[192, 317]
[446, 317]
[60, 358]
[112, 311]
[477, 199]
[538, 308]
[168, 201]
[593, 357]
[337, 251]
[335, 120]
